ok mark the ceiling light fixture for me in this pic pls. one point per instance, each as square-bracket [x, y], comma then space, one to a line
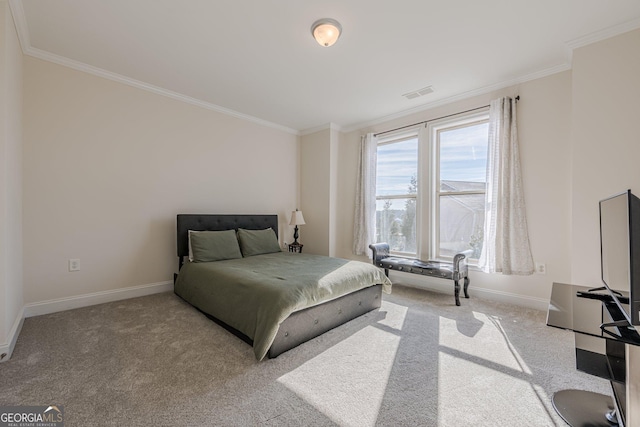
[326, 31]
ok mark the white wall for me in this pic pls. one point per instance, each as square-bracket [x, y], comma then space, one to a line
[107, 167]
[11, 298]
[606, 140]
[544, 130]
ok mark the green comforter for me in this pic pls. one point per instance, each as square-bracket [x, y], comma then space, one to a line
[255, 294]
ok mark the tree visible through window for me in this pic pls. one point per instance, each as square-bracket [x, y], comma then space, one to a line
[433, 207]
[396, 193]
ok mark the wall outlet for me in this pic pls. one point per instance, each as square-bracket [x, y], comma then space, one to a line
[541, 268]
[74, 264]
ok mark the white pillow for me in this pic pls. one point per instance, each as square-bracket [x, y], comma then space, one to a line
[190, 250]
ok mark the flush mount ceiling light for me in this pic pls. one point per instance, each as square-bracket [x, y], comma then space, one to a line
[326, 31]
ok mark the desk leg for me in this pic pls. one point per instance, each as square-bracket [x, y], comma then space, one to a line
[580, 408]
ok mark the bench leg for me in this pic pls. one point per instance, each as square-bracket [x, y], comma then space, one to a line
[386, 272]
[466, 285]
[456, 288]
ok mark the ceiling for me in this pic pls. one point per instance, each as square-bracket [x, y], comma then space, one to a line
[257, 59]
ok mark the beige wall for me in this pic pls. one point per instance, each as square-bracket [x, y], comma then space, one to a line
[315, 192]
[579, 143]
[11, 298]
[334, 184]
[544, 132]
[606, 140]
[319, 184]
[107, 167]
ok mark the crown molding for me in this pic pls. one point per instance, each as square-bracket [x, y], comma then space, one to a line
[20, 21]
[570, 47]
[598, 36]
[603, 34]
[22, 29]
[465, 95]
[330, 126]
[81, 66]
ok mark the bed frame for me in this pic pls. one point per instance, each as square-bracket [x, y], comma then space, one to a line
[300, 326]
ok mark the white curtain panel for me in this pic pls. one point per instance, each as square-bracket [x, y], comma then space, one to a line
[364, 223]
[506, 247]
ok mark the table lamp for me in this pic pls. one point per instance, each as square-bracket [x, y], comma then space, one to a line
[296, 219]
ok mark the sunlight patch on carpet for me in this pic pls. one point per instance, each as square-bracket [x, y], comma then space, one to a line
[338, 385]
[468, 394]
[395, 315]
[496, 346]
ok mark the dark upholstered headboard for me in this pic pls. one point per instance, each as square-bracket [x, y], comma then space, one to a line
[197, 222]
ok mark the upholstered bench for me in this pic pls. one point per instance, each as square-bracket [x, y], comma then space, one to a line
[456, 270]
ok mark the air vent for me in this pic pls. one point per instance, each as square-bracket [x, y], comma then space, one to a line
[419, 92]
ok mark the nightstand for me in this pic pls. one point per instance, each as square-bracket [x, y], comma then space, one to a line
[295, 247]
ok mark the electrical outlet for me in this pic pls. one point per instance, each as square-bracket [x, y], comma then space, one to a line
[74, 264]
[541, 268]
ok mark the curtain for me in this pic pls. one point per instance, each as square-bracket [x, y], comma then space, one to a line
[506, 247]
[364, 223]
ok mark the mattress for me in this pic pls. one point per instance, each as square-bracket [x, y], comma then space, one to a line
[254, 295]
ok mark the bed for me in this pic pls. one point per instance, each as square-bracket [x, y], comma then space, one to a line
[273, 300]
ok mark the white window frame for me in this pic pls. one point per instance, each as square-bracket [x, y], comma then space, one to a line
[431, 163]
[428, 179]
[393, 138]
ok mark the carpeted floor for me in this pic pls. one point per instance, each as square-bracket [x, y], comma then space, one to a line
[418, 361]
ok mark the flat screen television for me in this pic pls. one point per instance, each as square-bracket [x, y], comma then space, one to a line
[620, 251]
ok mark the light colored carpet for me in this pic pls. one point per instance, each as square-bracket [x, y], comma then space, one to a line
[418, 361]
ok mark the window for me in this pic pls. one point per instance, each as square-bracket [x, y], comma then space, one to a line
[430, 188]
[396, 193]
[459, 165]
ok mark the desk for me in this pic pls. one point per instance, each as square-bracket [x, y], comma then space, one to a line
[616, 358]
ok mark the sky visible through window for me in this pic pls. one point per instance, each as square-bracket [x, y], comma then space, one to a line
[397, 163]
[463, 157]
[463, 153]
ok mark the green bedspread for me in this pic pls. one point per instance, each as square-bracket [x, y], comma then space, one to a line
[255, 294]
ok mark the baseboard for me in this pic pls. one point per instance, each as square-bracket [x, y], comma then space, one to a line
[79, 301]
[7, 349]
[446, 286]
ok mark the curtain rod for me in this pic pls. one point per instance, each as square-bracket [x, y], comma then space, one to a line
[517, 98]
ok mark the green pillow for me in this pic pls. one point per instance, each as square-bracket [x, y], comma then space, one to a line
[206, 246]
[258, 242]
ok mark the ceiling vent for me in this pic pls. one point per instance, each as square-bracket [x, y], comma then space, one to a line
[419, 92]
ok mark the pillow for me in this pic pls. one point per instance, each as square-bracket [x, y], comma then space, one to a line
[258, 242]
[206, 246]
[189, 244]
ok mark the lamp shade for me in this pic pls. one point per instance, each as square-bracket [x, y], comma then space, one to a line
[326, 31]
[296, 218]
